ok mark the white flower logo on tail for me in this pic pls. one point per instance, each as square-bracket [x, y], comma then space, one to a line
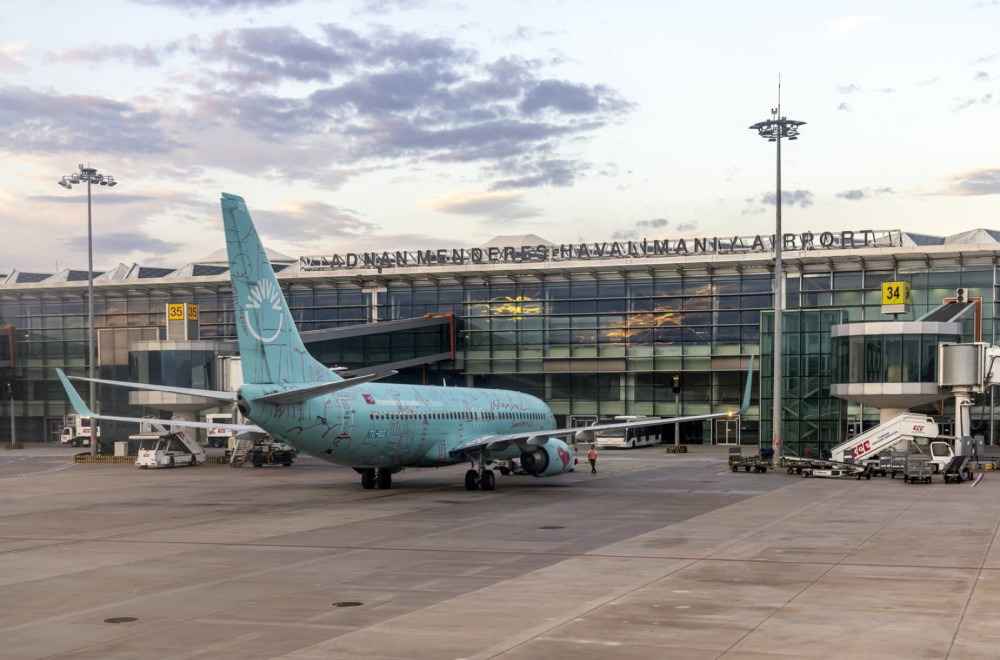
[264, 295]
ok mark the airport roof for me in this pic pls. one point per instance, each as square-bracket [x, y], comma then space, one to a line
[216, 263]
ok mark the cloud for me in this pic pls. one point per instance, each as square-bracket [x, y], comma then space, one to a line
[33, 122]
[962, 104]
[216, 6]
[641, 229]
[386, 95]
[113, 244]
[557, 173]
[299, 220]
[843, 107]
[388, 6]
[501, 205]
[11, 53]
[984, 181]
[325, 106]
[866, 193]
[800, 198]
[857, 89]
[147, 56]
[848, 24]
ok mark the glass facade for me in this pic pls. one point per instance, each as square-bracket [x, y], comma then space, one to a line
[594, 339]
[811, 418]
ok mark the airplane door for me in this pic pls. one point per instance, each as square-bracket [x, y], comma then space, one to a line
[347, 415]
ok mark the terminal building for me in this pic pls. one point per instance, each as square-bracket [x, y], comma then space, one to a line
[595, 329]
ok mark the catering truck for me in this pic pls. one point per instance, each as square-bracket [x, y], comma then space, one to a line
[76, 431]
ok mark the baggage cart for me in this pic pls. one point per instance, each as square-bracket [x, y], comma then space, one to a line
[747, 463]
[896, 463]
[917, 468]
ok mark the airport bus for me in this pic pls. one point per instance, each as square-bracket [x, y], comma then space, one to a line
[643, 436]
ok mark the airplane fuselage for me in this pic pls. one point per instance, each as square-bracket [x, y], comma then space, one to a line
[380, 425]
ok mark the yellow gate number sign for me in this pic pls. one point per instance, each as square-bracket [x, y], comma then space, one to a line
[175, 312]
[192, 312]
[895, 293]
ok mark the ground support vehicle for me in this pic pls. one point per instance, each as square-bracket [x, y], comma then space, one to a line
[959, 469]
[747, 463]
[905, 426]
[917, 468]
[165, 451]
[76, 430]
[261, 452]
[838, 470]
[795, 464]
[218, 437]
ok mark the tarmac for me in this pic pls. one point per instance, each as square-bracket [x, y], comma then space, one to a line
[658, 555]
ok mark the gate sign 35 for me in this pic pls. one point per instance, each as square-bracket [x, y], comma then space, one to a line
[895, 293]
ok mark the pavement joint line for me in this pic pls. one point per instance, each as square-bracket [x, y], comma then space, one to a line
[515, 553]
[972, 591]
[832, 565]
[33, 474]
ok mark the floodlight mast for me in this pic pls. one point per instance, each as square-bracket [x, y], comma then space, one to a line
[89, 175]
[773, 130]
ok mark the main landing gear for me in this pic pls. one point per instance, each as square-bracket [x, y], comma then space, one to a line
[372, 477]
[479, 476]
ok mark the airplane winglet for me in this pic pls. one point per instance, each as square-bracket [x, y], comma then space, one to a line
[746, 392]
[74, 397]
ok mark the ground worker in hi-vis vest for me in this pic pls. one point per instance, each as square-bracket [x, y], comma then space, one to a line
[592, 457]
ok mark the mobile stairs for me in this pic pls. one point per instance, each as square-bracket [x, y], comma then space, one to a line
[867, 446]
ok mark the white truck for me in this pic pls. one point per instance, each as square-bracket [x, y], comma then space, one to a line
[216, 437]
[76, 431]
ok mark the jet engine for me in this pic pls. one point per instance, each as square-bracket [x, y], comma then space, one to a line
[554, 457]
[242, 405]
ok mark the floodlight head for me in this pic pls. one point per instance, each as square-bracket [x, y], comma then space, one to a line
[112, 182]
[65, 184]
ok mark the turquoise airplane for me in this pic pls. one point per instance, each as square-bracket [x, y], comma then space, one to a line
[378, 429]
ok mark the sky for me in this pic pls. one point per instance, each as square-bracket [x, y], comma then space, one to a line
[371, 125]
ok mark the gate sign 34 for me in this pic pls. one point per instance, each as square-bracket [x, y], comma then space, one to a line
[895, 293]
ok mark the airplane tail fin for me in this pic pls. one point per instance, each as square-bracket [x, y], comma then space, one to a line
[271, 350]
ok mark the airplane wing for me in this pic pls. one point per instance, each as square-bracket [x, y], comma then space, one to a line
[81, 408]
[293, 393]
[221, 397]
[528, 439]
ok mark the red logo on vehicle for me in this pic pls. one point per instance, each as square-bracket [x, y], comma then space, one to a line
[369, 399]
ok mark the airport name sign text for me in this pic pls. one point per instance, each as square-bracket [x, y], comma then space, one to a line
[609, 250]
